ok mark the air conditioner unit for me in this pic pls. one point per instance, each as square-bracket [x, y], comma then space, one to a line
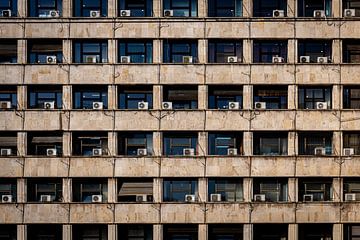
[232, 151]
[168, 13]
[97, 152]
[54, 13]
[321, 105]
[349, 13]
[51, 152]
[125, 13]
[319, 13]
[125, 59]
[348, 151]
[98, 105]
[187, 59]
[234, 105]
[90, 59]
[95, 14]
[304, 59]
[5, 151]
[167, 105]
[232, 59]
[141, 151]
[215, 197]
[5, 104]
[278, 13]
[308, 198]
[319, 151]
[350, 197]
[96, 198]
[190, 198]
[141, 198]
[6, 13]
[259, 198]
[188, 152]
[49, 105]
[143, 105]
[278, 59]
[50, 59]
[322, 59]
[260, 105]
[6, 198]
[45, 198]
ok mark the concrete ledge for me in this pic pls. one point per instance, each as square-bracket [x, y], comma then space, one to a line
[91, 213]
[227, 213]
[137, 213]
[46, 213]
[46, 167]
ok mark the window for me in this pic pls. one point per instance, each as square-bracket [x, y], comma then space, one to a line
[352, 185]
[225, 8]
[82, 8]
[44, 190]
[86, 96]
[314, 49]
[315, 231]
[8, 231]
[270, 143]
[130, 142]
[310, 97]
[131, 96]
[351, 97]
[176, 143]
[8, 143]
[40, 51]
[221, 96]
[135, 232]
[44, 143]
[220, 143]
[42, 8]
[139, 51]
[307, 7]
[8, 5]
[274, 189]
[90, 52]
[44, 231]
[275, 97]
[130, 189]
[265, 50]
[8, 187]
[308, 141]
[181, 8]
[138, 8]
[351, 50]
[175, 190]
[85, 189]
[270, 231]
[231, 189]
[44, 97]
[90, 143]
[319, 189]
[181, 232]
[181, 97]
[90, 232]
[352, 4]
[8, 51]
[351, 231]
[176, 51]
[220, 50]
[264, 8]
[226, 232]
[352, 140]
[8, 94]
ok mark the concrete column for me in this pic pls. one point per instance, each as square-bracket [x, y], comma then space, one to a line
[336, 9]
[248, 143]
[67, 51]
[67, 232]
[112, 229]
[202, 190]
[21, 51]
[292, 143]
[203, 93]
[67, 148]
[112, 147]
[157, 190]
[293, 232]
[336, 143]
[157, 51]
[336, 50]
[157, 96]
[292, 51]
[21, 143]
[202, 51]
[157, 144]
[203, 229]
[248, 97]
[112, 190]
[291, 8]
[21, 97]
[157, 8]
[66, 11]
[202, 8]
[292, 189]
[67, 190]
[247, 50]
[336, 97]
[112, 97]
[247, 189]
[21, 232]
[22, 8]
[21, 190]
[158, 232]
[67, 97]
[112, 51]
[248, 232]
[292, 97]
[247, 8]
[337, 189]
[112, 8]
[202, 144]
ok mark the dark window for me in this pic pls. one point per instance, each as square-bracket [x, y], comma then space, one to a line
[275, 97]
[352, 186]
[311, 97]
[90, 143]
[45, 97]
[265, 50]
[135, 190]
[131, 143]
[270, 143]
[90, 232]
[135, 232]
[351, 50]
[42, 8]
[85, 190]
[351, 97]
[8, 144]
[175, 190]
[222, 143]
[270, 231]
[181, 8]
[44, 143]
[352, 4]
[314, 49]
[86, 96]
[44, 51]
[231, 189]
[176, 143]
[91, 52]
[8, 5]
[8, 51]
[138, 8]
[8, 231]
[131, 96]
[181, 232]
[310, 141]
[352, 140]
[176, 51]
[351, 231]
[315, 231]
[264, 8]
[8, 187]
[44, 190]
[8, 95]
[319, 189]
[181, 97]
[274, 189]
[221, 50]
[225, 232]
[82, 8]
[225, 8]
[44, 232]
[139, 51]
[307, 7]
[221, 96]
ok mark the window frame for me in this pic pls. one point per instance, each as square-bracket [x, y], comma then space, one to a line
[325, 47]
[311, 101]
[347, 103]
[169, 145]
[146, 9]
[79, 55]
[12, 96]
[80, 10]
[169, 191]
[79, 231]
[124, 47]
[123, 143]
[38, 11]
[95, 187]
[84, 143]
[34, 189]
[127, 94]
[267, 11]
[259, 144]
[263, 186]
[304, 11]
[281, 100]
[12, 5]
[181, 11]
[213, 50]
[265, 50]
[11, 189]
[79, 97]
[308, 149]
[36, 101]
[235, 9]
[237, 191]
[36, 57]
[12, 56]
[170, 54]
[39, 148]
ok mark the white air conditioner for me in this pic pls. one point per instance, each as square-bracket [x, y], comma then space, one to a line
[319, 13]
[98, 105]
[278, 59]
[190, 198]
[49, 105]
[260, 105]
[51, 152]
[125, 59]
[5, 104]
[141, 152]
[54, 13]
[96, 198]
[168, 13]
[215, 197]
[45, 198]
[278, 13]
[90, 59]
[143, 105]
[308, 198]
[50, 59]
[5, 151]
[319, 151]
[125, 13]
[141, 198]
[167, 105]
[321, 105]
[232, 59]
[304, 59]
[259, 197]
[322, 59]
[188, 152]
[97, 152]
[232, 151]
[349, 13]
[95, 14]
[350, 197]
[348, 151]
[6, 198]
[234, 105]
[6, 13]
[187, 59]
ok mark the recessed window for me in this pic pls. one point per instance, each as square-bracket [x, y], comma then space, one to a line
[319, 189]
[90, 231]
[181, 232]
[180, 144]
[315, 143]
[270, 231]
[225, 189]
[8, 231]
[8, 51]
[8, 97]
[180, 97]
[44, 97]
[225, 231]
[224, 97]
[90, 97]
[178, 190]
[306, 8]
[352, 140]
[135, 190]
[136, 97]
[6, 5]
[351, 231]
[135, 232]
[90, 190]
[351, 97]
[351, 50]
[266, 50]
[8, 144]
[8, 191]
[352, 189]
[44, 190]
[180, 51]
[351, 4]
[265, 8]
[86, 8]
[314, 97]
[181, 8]
[314, 51]
[90, 143]
[137, 8]
[270, 189]
[45, 8]
[47, 52]
[225, 51]
[225, 8]
[44, 231]
[270, 143]
[270, 97]
[44, 144]
[135, 143]
[90, 52]
[224, 143]
[135, 51]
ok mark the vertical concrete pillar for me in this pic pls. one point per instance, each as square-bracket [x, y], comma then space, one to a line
[22, 7]
[157, 144]
[292, 189]
[291, 143]
[247, 8]
[202, 190]
[293, 232]
[112, 190]
[21, 143]
[67, 97]
[67, 51]
[336, 50]
[247, 50]
[21, 190]
[21, 97]
[248, 97]
[157, 96]
[202, 51]
[202, 98]
[157, 194]
[292, 51]
[336, 8]
[157, 8]
[112, 229]
[336, 97]
[112, 140]
[112, 53]
[247, 189]
[248, 143]
[248, 232]
[112, 97]
[21, 232]
[158, 232]
[202, 8]
[67, 148]
[157, 51]
[21, 51]
[203, 229]
[338, 231]
[337, 189]
[336, 143]
[66, 10]
[291, 8]
[202, 144]
[67, 232]
[67, 190]
[112, 8]
[292, 97]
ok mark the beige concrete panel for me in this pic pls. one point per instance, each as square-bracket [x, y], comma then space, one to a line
[91, 167]
[11, 213]
[91, 74]
[21, 51]
[11, 167]
[317, 74]
[350, 166]
[46, 74]
[317, 212]
[182, 74]
[9, 120]
[227, 166]
[316, 29]
[227, 29]
[317, 166]
[227, 74]
[182, 213]
[137, 167]
[272, 166]
[47, 29]
[91, 120]
[136, 74]
[292, 190]
[43, 120]
[248, 97]
[284, 120]
[274, 213]
[272, 73]
[203, 97]
[46, 213]
[227, 213]
[182, 166]
[136, 120]
[183, 120]
[11, 29]
[350, 212]
[182, 30]
[248, 189]
[134, 30]
[21, 191]
[91, 213]
[223, 120]
[349, 74]
[272, 29]
[46, 167]
[316, 120]
[350, 119]
[350, 29]
[11, 74]
[91, 30]
[137, 213]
